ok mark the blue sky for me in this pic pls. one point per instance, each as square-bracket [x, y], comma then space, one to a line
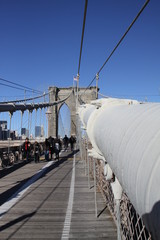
[40, 45]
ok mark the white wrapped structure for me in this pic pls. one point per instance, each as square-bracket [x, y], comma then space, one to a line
[127, 134]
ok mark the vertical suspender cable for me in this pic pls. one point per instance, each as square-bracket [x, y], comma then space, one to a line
[28, 123]
[40, 120]
[21, 129]
[10, 115]
[46, 125]
[35, 121]
[45, 134]
[31, 124]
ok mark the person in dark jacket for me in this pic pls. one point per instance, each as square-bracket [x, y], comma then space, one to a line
[72, 140]
[46, 149]
[27, 149]
[51, 146]
[65, 142]
[36, 152]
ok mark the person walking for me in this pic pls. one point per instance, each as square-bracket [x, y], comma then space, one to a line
[51, 146]
[57, 147]
[36, 152]
[72, 141]
[26, 149]
[46, 149]
[65, 142]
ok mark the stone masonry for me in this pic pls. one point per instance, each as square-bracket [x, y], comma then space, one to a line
[85, 96]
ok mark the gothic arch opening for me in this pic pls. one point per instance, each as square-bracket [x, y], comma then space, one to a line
[59, 94]
[64, 121]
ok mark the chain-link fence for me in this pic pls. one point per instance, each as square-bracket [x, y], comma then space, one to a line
[131, 224]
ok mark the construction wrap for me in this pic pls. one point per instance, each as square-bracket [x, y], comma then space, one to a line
[127, 134]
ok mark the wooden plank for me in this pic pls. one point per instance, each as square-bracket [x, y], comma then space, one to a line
[40, 213]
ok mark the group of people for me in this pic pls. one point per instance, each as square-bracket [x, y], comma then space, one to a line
[67, 141]
[27, 147]
[52, 146]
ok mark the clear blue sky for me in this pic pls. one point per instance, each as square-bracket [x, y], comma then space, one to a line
[40, 44]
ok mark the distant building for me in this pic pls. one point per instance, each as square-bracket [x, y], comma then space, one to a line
[3, 124]
[24, 133]
[38, 131]
[3, 130]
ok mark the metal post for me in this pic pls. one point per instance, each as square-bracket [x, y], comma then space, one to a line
[77, 120]
[85, 156]
[97, 78]
[118, 219]
[95, 186]
[89, 185]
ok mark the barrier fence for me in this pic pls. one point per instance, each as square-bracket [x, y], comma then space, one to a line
[131, 224]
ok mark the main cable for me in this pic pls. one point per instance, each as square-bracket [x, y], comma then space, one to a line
[139, 13]
[6, 85]
[84, 21]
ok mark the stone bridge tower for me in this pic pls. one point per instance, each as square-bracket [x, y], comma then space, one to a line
[61, 93]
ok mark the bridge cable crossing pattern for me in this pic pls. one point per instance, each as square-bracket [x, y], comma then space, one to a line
[117, 45]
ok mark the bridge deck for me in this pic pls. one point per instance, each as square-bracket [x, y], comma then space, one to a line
[41, 207]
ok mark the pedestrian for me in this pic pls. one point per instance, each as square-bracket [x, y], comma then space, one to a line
[46, 149]
[65, 142]
[36, 152]
[72, 141]
[51, 146]
[26, 147]
[57, 147]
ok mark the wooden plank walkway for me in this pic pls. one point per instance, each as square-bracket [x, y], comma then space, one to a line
[42, 204]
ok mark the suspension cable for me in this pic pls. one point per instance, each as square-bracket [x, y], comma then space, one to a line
[18, 88]
[61, 125]
[124, 35]
[26, 99]
[139, 13]
[84, 21]
[19, 85]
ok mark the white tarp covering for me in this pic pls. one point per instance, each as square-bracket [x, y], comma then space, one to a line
[127, 134]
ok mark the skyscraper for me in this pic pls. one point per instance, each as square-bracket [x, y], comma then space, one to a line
[38, 131]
